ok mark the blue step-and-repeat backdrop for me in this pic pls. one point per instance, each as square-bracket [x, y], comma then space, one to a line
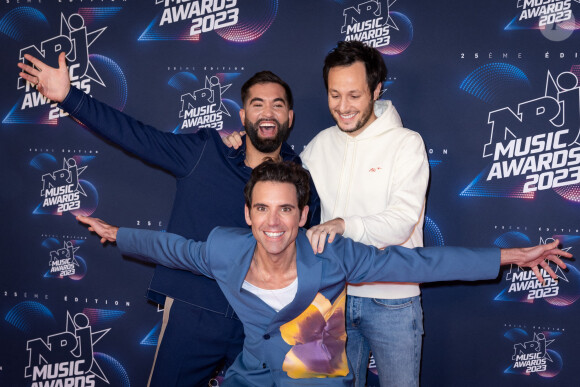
[492, 86]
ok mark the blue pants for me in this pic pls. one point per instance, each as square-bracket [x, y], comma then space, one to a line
[193, 343]
[393, 331]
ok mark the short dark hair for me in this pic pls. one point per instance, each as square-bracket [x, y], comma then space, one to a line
[347, 53]
[267, 77]
[281, 172]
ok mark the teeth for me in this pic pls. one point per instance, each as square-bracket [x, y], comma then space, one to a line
[267, 125]
[274, 234]
[347, 116]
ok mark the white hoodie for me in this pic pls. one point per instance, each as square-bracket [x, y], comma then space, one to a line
[376, 182]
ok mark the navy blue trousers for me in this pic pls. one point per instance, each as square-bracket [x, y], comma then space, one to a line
[194, 344]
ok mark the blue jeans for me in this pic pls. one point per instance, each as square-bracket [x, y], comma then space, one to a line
[393, 331]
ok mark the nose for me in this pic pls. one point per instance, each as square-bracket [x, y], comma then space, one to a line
[273, 218]
[343, 105]
[268, 111]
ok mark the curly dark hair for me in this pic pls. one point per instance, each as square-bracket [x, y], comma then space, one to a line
[281, 172]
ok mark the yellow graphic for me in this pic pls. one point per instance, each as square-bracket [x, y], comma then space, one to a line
[318, 338]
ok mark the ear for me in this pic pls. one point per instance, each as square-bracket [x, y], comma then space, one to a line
[242, 116]
[290, 117]
[303, 216]
[377, 92]
[247, 214]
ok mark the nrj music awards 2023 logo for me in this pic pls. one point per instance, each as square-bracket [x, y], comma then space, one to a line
[66, 358]
[534, 353]
[77, 40]
[377, 25]
[62, 188]
[522, 285]
[234, 21]
[534, 147]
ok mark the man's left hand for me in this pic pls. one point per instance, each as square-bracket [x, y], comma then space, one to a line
[536, 257]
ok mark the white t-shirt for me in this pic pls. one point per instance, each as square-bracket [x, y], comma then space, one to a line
[277, 299]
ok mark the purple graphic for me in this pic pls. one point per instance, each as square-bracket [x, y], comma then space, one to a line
[496, 189]
[116, 91]
[252, 23]
[102, 316]
[180, 31]
[98, 14]
[401, 35]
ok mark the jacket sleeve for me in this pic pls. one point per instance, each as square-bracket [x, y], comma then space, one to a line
[177, 154]
[405, 206]
[165, 249]
[363, 263]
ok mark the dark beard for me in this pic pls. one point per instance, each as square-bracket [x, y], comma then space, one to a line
[363, 120]
[268, 145]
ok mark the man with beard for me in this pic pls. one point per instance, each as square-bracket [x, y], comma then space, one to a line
[375, 195]
[200, 329]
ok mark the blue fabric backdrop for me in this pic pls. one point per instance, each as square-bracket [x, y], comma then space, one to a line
[492, 86]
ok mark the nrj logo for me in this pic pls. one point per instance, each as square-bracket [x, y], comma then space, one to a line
[61, 188]
[545, 12]
[540, 141]
[74, 39]
[204, 16]
[536, 147]
[369, 22]
[523, 286]
[62, 261]
[532, 356]
[554, 18]
[66, 358]
[204, 108]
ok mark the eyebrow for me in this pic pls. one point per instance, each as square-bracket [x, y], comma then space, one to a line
[258, 99]
[265, 205]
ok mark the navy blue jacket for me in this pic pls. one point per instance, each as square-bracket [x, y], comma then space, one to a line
[210, 181]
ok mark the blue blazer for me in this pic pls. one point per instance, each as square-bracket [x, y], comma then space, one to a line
[304, 343]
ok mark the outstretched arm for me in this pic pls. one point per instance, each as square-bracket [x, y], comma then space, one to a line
[158, 247]
[103, 229]
[536, 257]
[53, 83]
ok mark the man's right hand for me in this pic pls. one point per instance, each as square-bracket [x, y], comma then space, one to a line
[53, 83]
[103, 229]
[234, 140]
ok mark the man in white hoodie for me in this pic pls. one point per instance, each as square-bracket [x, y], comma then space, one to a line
[371, 174]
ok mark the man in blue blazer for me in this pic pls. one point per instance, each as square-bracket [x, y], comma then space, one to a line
[291, 299]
